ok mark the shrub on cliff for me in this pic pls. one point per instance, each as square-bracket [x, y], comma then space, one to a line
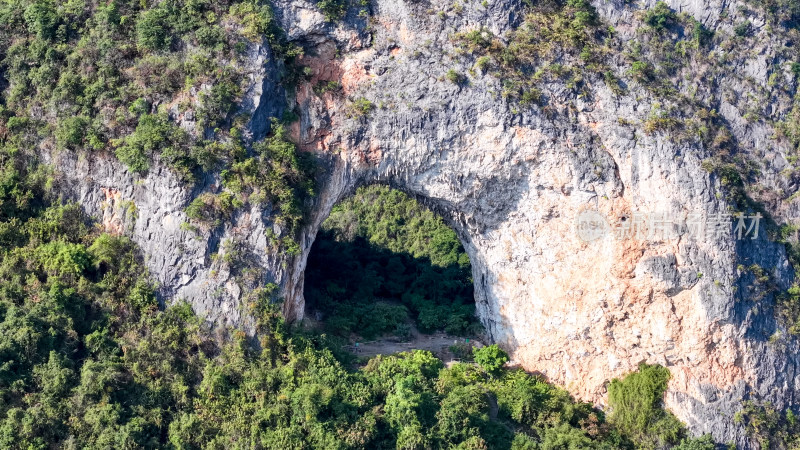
[155, 134]
[636, 408]
[660, 16]
[333, 9]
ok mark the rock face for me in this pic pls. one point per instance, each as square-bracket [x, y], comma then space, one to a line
[513, 182]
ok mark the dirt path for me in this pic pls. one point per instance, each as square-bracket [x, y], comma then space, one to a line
[438, 344]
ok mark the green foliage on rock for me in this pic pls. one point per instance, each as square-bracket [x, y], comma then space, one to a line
[276, 173]
[155, 134]
[660, 16]
[333, 9]
[781, 12]
[635, 404]
[94, 70]
[768, 426]
[213, 209]
[553, 32]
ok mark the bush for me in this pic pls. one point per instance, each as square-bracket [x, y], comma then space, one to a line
[742, 29]
[71, 131]
[218, 102]
[64, 258]
[701, 34]
[212, 209]
[152, 29]
[491, 358]
[705, 442]
[635, 404]
[256, 20]
[477, 39]
[333, 10]
[209, 36]
[531, 96]
[660, 16]
[327, 86]
[154, 134]
[455, 77]
[642, 71]
[483, 63]
[360, 107]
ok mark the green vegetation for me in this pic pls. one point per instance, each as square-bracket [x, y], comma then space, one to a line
[770, 427]
[491, 358]
[781, 12]
[327, 86]
[360, 107]
[553, 31]
[635, 404]
[333, 9]
[455, 77]
[155, 134]
[743, 29]
[277, 173]
[94, 71]
[393, 257]
[660, 17]
[664, 55]
[213, 209]
[273, 173]
[789, 128]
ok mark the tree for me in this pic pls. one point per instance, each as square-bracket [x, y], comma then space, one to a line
[71, 131]
[462, 414]
[409, 411]
[152, 29]
[42, 18]
[490, 358]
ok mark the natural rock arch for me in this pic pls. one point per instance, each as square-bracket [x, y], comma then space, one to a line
[583, 313]
[510, 182]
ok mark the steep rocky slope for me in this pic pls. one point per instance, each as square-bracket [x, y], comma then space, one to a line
[510, 159]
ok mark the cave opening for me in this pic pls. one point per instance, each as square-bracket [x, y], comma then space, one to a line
[383, 266]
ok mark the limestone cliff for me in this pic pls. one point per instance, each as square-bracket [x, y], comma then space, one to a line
[416, 110]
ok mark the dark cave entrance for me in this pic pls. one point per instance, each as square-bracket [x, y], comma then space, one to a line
[383, 265]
